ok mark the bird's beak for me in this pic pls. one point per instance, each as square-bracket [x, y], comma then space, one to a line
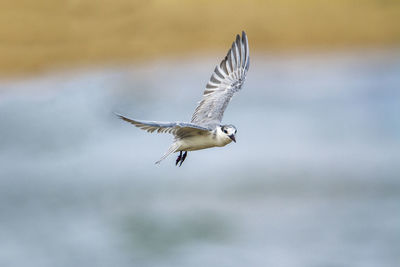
[232, 137]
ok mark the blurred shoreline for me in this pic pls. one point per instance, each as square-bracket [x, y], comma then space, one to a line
[55, 35]
[76, 68]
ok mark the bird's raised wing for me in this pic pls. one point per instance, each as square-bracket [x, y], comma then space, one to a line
[228, 78]
[178, 129]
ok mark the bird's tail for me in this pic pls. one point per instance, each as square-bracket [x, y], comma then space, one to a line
[173, 148]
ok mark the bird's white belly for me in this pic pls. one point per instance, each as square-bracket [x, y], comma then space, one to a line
[201, 142]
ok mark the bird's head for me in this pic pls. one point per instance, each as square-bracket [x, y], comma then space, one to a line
[229, 131]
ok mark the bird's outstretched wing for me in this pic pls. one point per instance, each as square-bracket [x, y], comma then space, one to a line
[228, 78]
[178, 129]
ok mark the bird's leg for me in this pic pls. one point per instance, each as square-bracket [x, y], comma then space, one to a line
[179, 158]
[183, 158]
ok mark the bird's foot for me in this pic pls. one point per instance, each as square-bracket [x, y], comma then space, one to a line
[183, 158]
[179, 159]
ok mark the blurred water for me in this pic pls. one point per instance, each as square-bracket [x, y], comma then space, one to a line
[312, 181]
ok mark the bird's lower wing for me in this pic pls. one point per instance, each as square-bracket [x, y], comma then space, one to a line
[178, 129]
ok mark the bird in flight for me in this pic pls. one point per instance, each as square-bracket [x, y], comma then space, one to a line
[205, 129]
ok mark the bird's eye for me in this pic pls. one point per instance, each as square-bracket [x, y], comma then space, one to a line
[225, 131]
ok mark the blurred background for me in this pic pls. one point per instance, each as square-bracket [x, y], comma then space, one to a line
[312, 181]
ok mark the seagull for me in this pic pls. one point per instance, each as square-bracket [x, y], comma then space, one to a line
[205, 129]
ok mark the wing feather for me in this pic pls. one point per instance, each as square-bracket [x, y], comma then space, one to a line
[178, 129]
[228, 78]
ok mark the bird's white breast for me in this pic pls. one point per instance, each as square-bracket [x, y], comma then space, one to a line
[202, 141]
